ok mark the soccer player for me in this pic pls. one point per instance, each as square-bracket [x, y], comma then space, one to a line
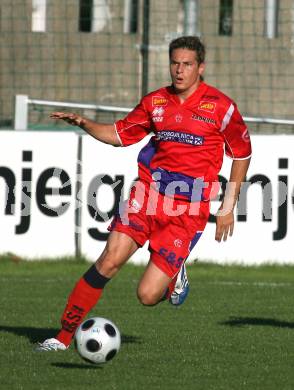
[192, 124]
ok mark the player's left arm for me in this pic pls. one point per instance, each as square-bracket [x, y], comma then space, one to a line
[225, 214]
[238, 147]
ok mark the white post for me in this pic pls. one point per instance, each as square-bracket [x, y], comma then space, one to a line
[21, 112]
[127, 16]
[271, 19]
[39, 15]
[190, 18]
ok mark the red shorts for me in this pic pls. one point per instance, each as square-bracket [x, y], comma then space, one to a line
[172, 226]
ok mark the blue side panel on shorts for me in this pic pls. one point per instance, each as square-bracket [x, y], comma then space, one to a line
[182, 184]
[186, 186]
[194, 240]
[146, 154]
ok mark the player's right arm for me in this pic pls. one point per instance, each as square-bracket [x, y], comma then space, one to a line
[102, 132]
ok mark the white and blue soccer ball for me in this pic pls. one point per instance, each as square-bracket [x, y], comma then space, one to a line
[97, 340]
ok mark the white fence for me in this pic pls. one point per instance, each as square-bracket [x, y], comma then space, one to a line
[22, 103]
[44, 187]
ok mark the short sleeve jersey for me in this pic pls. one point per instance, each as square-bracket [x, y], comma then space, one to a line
[190, 137]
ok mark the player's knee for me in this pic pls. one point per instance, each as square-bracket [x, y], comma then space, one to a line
[108, 264]
[147, 297]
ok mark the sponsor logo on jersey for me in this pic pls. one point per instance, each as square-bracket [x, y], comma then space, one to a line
[181, 137]
[159, 101]
[157, 114]
[201, 118]
[158, 111]
[207, 106]
[157, 119]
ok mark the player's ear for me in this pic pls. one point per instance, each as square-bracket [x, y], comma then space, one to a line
[201, 68]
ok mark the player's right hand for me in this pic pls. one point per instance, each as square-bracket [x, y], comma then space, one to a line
[69, 117]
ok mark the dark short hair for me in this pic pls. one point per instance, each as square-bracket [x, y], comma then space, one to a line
[190, 43]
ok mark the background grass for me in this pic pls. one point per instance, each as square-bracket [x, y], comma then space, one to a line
[234, 332]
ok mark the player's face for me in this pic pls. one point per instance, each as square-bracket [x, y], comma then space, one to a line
[185, 71]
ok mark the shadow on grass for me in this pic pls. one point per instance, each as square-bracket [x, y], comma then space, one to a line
[75, 366]
[39, 334]
[256, 321]
[33, 334]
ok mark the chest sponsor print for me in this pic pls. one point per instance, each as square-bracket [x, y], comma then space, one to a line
[157, 119]
[204, 119]
[157, 114]
[158, 111]
[158, 101]
[181, 137]
[207, 106]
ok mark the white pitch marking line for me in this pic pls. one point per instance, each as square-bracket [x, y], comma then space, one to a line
[258, 284]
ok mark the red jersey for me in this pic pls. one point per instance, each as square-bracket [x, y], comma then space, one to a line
[189, 138]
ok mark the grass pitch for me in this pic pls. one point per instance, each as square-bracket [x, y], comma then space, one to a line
[236, 330]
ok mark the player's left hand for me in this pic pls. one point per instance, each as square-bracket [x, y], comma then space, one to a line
[224, 225]
[69, 117]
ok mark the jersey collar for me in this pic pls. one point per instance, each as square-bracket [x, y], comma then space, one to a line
[194, 98]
